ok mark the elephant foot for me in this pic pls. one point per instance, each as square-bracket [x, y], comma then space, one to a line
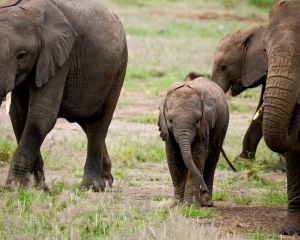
[281, 165]
[40, 180]
[193, 200]
[93, 180]
[108, 178]
[18, 180]
[291, 224]
[177, 203]
[245, 156]
[206, 200]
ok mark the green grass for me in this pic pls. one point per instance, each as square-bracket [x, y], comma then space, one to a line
[8, 145]
[199, 212]
[274, 198]
[220, 196]
[138, 149]
[145, 118]
[247, 199]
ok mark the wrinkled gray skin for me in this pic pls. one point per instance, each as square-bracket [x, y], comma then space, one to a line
[281, 99]
[60, 59]
[193, 121]
[240, 62]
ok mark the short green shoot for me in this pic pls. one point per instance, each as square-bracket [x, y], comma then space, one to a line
[202, 212]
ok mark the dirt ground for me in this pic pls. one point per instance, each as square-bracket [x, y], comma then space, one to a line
[234, 218]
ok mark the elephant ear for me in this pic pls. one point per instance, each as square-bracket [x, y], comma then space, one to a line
[255, 61]
[58, 40]
[209, 113]
[162, 123]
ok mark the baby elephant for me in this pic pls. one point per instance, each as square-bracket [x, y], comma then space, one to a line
[193, 120]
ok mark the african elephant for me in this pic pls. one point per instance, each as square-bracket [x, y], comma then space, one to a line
[60, 59]
[281, 100]
[193, 120]
[240, 62]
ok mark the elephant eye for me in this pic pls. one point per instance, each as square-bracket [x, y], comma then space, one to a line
[170, 120]
[223, 67]
[198, 121]
[21, 55]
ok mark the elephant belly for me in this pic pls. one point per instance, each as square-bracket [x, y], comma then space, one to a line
[77, 111]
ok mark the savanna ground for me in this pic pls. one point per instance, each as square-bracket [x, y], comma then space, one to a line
[166, 40]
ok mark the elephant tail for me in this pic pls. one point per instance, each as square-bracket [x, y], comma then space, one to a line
[226, 158]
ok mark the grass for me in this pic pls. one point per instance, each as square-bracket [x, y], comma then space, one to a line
[145, 118]
[199, 212]
[163, 48]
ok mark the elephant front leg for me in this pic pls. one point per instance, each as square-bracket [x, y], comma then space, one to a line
[291, 224]
[253, 134]
[192, 193]
[177, 168]
[38, 114]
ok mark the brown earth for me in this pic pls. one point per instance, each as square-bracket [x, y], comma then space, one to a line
[235, 218]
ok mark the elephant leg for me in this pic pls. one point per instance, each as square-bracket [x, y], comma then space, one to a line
[192, 188]
[18, 113]
[253, 134]
[106, 167]
[209, 173]
[291, 224]
[281, 165]
[43, 108]
[177, 168]
[102, 172]
[98, 164]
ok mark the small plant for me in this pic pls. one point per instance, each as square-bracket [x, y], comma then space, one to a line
[159, 198]
[199, 212]
[247, 199]
[145, 118]
[274, 198]
[220, 196]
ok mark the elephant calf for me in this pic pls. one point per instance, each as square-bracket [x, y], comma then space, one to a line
[193, 121]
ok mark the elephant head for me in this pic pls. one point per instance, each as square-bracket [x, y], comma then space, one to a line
[36, 40]
[188, 111]
[281, 98]
[240, 60]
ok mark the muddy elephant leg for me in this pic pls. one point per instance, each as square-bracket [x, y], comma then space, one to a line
[253, 134]
[192, 188]
[18, 113]
[177, 168]
[291, 224]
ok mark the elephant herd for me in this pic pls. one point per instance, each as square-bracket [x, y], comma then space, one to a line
[68, 59]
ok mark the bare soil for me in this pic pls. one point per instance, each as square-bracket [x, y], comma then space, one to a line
[235, 218]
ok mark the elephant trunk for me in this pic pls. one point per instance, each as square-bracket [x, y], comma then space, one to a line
[2, 95]
[281, 112]
[184, 141]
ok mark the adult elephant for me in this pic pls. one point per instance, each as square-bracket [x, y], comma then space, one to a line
[240, 62]
[60, 59]
[281, 100]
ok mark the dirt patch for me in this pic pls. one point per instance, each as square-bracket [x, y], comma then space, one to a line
[209, 15]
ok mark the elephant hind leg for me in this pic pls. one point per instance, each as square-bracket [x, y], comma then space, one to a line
[106, 167]
[93, 166]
